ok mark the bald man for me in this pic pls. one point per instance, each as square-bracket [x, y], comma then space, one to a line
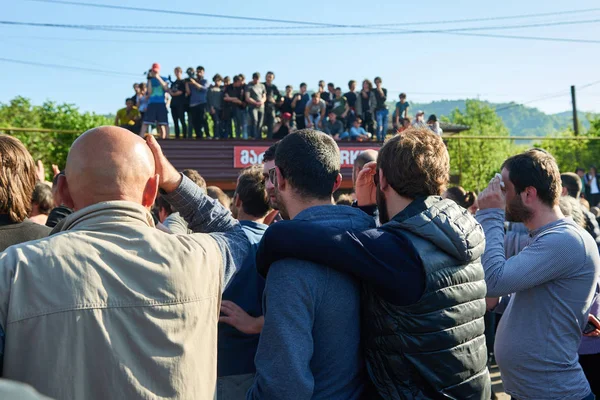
[110, 307]
[360, 161]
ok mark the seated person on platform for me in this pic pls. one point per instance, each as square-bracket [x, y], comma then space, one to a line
[334, 126]
[282, 128]
[128, 117]
[356, 132]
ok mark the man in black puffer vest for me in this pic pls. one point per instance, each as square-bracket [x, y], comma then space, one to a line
[424, 289]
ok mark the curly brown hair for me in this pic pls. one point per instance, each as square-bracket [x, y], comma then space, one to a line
[415, 163]
[17, 178]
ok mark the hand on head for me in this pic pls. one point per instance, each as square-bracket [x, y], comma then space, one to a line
[365, 185]
[493, 196]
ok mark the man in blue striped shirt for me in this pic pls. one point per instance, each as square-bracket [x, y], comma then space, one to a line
[552, 281]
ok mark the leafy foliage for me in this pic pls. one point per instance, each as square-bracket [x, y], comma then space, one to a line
[52, 147]
[476, 161]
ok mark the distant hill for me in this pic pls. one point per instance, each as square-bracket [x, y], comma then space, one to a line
[520, 120]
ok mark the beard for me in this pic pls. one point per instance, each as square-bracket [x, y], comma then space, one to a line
[281, 205]
[272, 202]
[382, 207]
[516, 211]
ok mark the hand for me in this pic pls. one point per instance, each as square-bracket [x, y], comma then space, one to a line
[309, 125]
[239, 319]
[594, 321]
[169, 178]
[366, 191]
[40, 171]
[55, 170]
[492, 196]
[491, 302]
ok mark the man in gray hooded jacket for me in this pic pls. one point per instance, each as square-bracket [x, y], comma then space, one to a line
[423, 298]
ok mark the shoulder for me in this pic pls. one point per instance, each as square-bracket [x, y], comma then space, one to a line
[297, 273]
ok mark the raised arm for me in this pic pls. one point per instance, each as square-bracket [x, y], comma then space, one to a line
[203, 214]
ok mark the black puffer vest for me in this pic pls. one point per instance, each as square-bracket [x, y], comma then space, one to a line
[435, 348]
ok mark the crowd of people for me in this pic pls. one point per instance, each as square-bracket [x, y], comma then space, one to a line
[255, 109]
[142, 282]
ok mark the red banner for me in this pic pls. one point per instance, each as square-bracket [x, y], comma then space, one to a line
[244, 156]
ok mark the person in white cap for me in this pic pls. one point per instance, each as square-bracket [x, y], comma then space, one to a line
[419, 121]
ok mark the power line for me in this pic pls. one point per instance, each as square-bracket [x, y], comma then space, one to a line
[69, 67]
[325, 25]
[189, 13]
[455, 31]
[166, 30]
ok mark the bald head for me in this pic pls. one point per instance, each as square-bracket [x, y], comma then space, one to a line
[110, 163]
[361, 160]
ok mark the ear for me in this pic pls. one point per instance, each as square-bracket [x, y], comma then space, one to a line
[529, 195]
[338, 183]
[383, 183]
[150, 192]
[63, 190]
[564, 191]
[281, 182]
[237, 201]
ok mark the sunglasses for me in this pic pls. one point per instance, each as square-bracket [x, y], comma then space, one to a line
[273, 176]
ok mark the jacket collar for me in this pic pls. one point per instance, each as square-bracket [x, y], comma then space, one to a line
[116, 212]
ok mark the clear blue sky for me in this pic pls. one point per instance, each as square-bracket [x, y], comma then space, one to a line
[427, 66]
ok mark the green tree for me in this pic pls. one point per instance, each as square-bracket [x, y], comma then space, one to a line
[476, 161]
[575, 151]
[51, 147]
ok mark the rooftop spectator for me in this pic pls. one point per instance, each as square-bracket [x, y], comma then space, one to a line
[315, 112]
[340, 106]
[365, 106]
[285, 101]
[401, 110]
[271, 103]
[299, 104]
[256, 96]
[356, 132]
[419, 121]
[434, 125]
[178, 103]
[215, 106]
[128, 117]
[17, 183]
[283, 128]
[381, 110]
[197, 90]
[156, 113]
[234, 108]
[333, 127]
[352, 97]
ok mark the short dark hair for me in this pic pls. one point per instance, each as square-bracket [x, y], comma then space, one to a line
[315, 95]
[200, 67]
[270, 153]
[377, 78]
[535, 168]
[271, 73]
[42, 197]
[256, 75]
[162, 203]
[579, 169]
[321, 81]
[217, 77]
[351, 82]
[236, 78]
[461, 197]
[415, 163]
[17, 178]
[289, 87]
[195, 177]
[219, 195]
[310, 161]
[572, 183]
[128, 99]
[338, 88]
[303, 84]
[330, 84]
[242, 76]
[252, 192]
[402, 95]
